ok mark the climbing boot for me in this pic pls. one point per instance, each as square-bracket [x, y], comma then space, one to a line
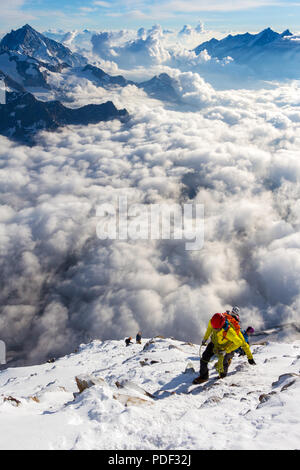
[200, 380]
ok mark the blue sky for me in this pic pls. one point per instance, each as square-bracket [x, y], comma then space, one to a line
[235, 15]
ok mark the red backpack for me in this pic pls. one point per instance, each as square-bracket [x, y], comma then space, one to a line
[231, 322]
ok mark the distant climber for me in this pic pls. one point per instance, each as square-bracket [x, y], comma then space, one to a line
[138, 337]
[249, 331]
[246, 333]
[225, 339]
[128, 341]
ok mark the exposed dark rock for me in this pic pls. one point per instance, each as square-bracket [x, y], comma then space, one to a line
[23, 115]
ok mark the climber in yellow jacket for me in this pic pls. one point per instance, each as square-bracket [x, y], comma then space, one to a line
[224, 341]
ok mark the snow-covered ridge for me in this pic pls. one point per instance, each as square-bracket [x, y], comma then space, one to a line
[141, 397]
[262, 52]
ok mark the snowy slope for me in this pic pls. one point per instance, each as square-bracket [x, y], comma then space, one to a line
[254, 407]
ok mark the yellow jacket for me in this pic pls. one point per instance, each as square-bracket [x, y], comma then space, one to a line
[231, 342]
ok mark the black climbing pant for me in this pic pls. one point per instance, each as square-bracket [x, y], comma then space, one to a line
[206, 357]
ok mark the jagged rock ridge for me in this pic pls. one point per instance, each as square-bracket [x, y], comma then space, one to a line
[23, 115]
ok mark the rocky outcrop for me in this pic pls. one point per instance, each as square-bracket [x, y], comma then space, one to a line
[23, 116]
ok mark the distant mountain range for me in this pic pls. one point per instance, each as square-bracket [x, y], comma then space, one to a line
[268, 53]
[237, 45]
[29, 61]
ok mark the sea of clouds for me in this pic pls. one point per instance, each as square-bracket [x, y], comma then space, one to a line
[234, 151]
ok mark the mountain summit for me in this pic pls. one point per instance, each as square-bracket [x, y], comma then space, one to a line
[109, 396]
[30, 42]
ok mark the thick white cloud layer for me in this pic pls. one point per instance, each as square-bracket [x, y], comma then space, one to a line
[236, 152]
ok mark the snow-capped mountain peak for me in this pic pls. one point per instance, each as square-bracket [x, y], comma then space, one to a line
[30, 42]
